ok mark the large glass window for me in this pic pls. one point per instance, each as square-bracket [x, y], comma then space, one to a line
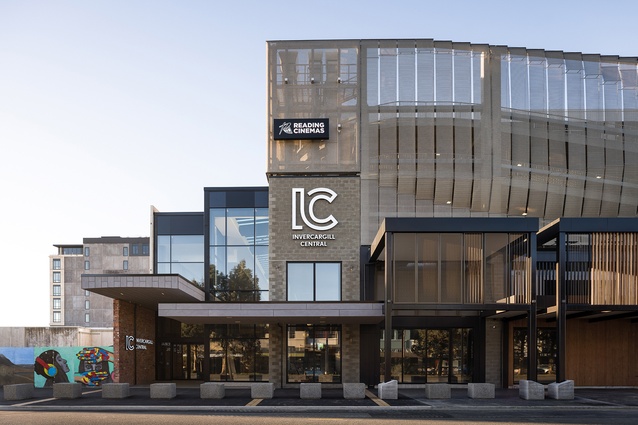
[546, 355]
[314, 281]
[238, 269]
[57, 277]
[314, 353]
[57, 304]
[183, 255]
[239, 353]
[57, 290]
[457, 268]
[57, 264]
[57, 317]
[431, 355]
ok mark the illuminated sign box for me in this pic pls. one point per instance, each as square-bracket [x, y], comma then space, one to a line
[301, 129]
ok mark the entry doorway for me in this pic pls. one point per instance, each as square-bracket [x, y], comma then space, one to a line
[431, 355]
[181, 361]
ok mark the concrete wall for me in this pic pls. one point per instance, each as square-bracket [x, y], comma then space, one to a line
[65, 336]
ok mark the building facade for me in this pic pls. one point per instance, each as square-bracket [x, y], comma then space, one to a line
[73, 306]
[434, 210]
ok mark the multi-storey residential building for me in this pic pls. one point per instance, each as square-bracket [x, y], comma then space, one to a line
[436, 212]
[73, 306]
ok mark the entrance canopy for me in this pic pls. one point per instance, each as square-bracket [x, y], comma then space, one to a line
[145, 290]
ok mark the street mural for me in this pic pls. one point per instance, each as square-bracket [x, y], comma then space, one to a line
[16, 365]
[44, 366]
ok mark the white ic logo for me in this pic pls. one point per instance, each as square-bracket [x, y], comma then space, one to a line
[130, 346]
[319, 224]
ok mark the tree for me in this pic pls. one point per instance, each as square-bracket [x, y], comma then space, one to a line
[238, 285]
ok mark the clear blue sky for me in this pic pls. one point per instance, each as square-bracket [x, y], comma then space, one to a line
[109, 107]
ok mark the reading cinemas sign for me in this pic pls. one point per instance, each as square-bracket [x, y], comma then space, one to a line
[303, 201]
[302, 129]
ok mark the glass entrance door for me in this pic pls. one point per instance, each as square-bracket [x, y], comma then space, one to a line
[180, 361]
[193, 361]
[438, 355]
[431, 355]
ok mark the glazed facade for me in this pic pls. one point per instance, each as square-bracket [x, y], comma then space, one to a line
[433, 210]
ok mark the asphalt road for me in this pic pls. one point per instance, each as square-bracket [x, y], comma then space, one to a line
[501, 416]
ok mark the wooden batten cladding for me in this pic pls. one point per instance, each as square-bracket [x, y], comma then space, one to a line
[614, 271]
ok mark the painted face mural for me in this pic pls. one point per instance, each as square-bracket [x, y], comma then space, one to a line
[93, 367]
[50, 365]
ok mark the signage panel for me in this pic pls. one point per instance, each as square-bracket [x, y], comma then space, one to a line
[301, 129]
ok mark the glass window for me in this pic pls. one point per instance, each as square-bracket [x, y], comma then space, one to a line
[327, 281]
[57, 264]
[125, 265]
[428, 271]
[404, 267]
[261, 226]
[240, 226]
[239, 353]
[451, 267]
[87, 317]
[87, 251]
[87, 305]
[314, 281]
[217, 226]
[164, 249]
[300, 282]
[135, 249]
[125, 251]
[57, 317]
[87, 293]
[57, 290]
[238, 254]
[57, 277]
[87, 265]
[57, 303]
[187, 248]
[431, 355]
[145, 249]
[314, 354]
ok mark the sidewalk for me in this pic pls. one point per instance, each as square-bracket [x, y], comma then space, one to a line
[287, 400]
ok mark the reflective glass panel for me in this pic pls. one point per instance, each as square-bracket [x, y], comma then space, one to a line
[428, 271]
[300, 282]
[327, 282]
[193, 272]
[451, 267]
[261, 226]
[164, 249]
[314, 354]
[217, 226]
[187, 248]
[240, 263]
[404, 267]
[261, 268]
[240, 225]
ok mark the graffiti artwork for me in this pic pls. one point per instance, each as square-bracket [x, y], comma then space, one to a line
[16, 365]
[94, 366]
[51, 366]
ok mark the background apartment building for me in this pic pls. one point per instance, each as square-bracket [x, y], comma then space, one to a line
[73, 306]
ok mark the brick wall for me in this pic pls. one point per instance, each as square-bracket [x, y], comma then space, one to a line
[133, 366]
[344, 248]
[493, 351]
